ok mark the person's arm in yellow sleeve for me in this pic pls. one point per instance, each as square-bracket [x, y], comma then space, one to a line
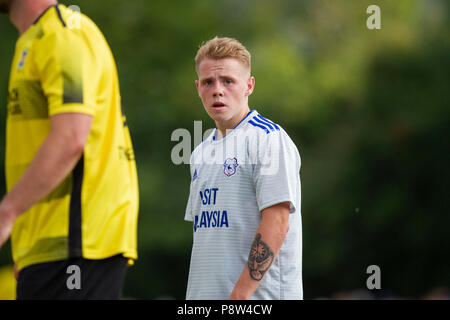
[53, 162]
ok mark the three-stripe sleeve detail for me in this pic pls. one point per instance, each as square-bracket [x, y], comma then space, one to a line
[263, 123]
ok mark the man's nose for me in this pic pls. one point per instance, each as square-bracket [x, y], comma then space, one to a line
[218, 91]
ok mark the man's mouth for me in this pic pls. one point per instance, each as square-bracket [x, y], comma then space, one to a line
[218, 105]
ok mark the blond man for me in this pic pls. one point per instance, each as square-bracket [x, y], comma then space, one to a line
[244, 197]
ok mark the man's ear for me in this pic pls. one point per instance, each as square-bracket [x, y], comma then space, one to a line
[250, 86]
[197, 85]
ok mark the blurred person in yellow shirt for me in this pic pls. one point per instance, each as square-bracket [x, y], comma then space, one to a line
[72, 193]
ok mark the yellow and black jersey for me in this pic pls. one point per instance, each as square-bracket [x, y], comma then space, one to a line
[60, 68]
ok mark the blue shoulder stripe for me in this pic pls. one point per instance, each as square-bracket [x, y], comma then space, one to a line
[268, 121]
[258, 125]
[264, 123]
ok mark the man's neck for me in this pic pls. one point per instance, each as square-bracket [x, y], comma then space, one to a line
[23, 13]
[224, 128]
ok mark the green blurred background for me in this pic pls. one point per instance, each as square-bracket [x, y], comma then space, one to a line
[368, 109]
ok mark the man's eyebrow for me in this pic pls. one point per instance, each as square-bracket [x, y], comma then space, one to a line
[227, 77]
[224, 77]
[206, 79]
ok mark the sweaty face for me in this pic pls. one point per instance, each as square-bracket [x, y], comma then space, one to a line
[4, 5]
[224, 86]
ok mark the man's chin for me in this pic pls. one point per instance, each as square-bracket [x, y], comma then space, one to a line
[218, 116]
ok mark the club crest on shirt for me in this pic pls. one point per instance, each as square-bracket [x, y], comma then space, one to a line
[229, 166]
[22, 59]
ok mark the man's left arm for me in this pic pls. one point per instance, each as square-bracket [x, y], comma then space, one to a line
[269, 238]
[55, 159]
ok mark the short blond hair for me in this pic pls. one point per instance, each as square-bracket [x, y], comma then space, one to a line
[221, 48]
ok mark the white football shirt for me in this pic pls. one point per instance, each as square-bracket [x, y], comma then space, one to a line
[255, 166]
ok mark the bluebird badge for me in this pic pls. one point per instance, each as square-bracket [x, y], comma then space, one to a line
[229, 166]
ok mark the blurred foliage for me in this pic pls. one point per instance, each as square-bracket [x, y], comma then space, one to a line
[368, 110]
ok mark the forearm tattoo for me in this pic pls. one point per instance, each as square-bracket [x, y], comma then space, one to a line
[260, 258]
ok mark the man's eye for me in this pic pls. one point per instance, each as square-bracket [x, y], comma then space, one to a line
[228, 81]
[208, 82]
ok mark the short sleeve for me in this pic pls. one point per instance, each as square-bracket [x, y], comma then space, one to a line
[188, 214]
[276, 172]
[60, 61]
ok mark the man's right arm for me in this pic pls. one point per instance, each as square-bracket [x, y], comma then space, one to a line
[53, 162]
[269, 238]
